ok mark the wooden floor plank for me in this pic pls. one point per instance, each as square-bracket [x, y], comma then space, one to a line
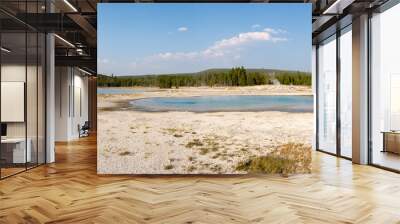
[70, 191]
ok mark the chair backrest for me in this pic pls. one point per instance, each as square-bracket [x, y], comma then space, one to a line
[86, 125]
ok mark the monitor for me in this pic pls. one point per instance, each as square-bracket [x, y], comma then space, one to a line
[3, 129]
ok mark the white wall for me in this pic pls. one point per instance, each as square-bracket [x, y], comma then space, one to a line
[33, 126]
[62, 83]
[81, 82]
[12, 73]
[80, 94]
[70, 83]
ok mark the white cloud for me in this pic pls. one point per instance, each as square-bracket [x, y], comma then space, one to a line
[133, 64]
[229, 47]
[175, 55]
[278, 39]
[281, 31]
[255, 26]
[275, 31]
[230, 51]
[182, 29]
[236, 41]
[104, 61]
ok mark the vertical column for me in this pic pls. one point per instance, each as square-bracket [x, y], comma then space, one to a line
[338, 77]
[360, 90]
[50, 92]
[50, 98]
[314, 91]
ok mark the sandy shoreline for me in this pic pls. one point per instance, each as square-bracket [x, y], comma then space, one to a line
[114, 100]
[137, 142]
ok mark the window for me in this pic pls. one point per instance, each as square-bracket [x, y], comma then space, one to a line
[22, 89]
[385, 89]
[327, 95]
[346, 92]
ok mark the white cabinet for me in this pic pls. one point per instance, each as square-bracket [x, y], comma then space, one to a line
[17, 145]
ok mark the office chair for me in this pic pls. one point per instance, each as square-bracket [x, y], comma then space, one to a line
[84, 130]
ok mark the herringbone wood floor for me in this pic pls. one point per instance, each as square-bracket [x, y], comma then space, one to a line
[69, 191]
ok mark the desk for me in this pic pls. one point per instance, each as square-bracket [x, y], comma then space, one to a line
[16, 148]
[391, 141]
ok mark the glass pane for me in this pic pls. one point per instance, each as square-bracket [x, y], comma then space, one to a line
[41, 98]
[346, 93]
[31, 98]
[386, 89]
[13, 86]
[327, 96]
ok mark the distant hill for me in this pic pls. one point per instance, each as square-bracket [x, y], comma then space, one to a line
[238, 76]
[219, 70]
[260, 70]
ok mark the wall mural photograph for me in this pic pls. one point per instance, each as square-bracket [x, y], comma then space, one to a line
[204, 89]
[142, 111]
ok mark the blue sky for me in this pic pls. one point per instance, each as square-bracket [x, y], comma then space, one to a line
[137, 39]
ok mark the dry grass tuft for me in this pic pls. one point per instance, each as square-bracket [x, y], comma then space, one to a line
[194, 142]
[169, 167]
[204, 151]
[125, 153]
[191, 168]
[287, 159]
[216, 168]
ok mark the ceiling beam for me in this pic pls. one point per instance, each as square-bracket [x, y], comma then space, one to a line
[78, 61]
[84, 24]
